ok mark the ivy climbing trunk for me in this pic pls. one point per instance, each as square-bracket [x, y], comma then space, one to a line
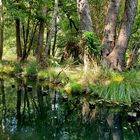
[86, 26]
[116, 59]
[1, 29]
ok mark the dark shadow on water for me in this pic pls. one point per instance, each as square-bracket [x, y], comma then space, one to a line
[33, 111]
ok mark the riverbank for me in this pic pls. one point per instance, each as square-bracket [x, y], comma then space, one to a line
[112, 87]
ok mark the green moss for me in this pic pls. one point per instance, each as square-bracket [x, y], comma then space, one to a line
[74, 88]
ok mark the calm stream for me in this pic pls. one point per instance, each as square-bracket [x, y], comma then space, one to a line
[29, 110]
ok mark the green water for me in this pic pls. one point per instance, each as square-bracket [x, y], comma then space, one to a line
[30, 110]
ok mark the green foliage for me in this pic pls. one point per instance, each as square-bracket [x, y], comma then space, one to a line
[18, 68]
[74, 88]
[23, 9]
[47, 74]
[42, 74]
[17, 9]
[32, 69]
[67, 15]
[92, 43]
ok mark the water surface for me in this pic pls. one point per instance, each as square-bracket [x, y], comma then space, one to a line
[30, 110]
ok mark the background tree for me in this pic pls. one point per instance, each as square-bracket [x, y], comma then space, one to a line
[134, 43]
[86, 26]
[41, 33]
[1, 29]
[52, 28]
[18, 39]
[62, 30]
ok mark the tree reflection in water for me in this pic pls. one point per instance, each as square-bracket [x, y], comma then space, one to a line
[34, 111]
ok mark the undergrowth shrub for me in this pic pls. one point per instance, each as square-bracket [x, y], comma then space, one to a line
[74, 88]
[32, 69]
[18, 68]
[92, 43]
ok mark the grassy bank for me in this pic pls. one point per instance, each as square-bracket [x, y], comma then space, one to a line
[102, 83]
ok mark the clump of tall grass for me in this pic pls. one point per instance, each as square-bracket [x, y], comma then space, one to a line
[118, 87]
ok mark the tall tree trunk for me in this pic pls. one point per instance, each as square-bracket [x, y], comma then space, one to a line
[108, 41]
[26, 32]
[41, 34]
[1, 29]
[18, 41]
[40, 40]
[49, 37]
[116, 59]
[32, 38]
[55, 38]
[86, 25]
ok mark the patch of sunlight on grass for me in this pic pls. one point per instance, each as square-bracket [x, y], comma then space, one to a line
[43, 74]
[72, 73]
[117, 77]
[49, 73]
[68, 88]
[93, 74]
[10, 57]
[6, 69]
